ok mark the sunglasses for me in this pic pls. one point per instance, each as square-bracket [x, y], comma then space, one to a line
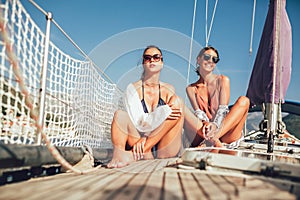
[156, 58]
[214, 58]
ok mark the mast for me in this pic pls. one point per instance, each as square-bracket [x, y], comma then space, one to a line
[271, 71]
[272, 129]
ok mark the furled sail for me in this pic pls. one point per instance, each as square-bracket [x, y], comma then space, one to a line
[273, 58]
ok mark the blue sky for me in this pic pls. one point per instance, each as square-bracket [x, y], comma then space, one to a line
[114, 33]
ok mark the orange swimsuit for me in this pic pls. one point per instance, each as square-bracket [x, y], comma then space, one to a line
[208, 101]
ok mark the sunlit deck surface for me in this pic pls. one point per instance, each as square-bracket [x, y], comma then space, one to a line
[150, 179]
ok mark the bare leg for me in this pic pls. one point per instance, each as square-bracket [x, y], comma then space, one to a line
[167, 136]
[120, 129]
[231, 129]
[234, 121]
[123, 132]
[170, 143]
[192, 125]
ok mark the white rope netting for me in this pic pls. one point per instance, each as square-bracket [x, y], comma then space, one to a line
[79, 103]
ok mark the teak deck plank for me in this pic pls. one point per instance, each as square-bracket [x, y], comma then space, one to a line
[191, 187]
[149, 179]
[153, 185]
[224, 185]
[172, 187]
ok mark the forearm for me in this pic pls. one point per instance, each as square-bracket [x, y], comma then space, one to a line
[221, 114]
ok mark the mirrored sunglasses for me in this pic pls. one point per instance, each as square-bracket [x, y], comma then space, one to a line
[214, 58]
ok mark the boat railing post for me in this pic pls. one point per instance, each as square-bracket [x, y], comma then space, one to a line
[245, 132]
[281, 127]
[272, 116]
[44, 80]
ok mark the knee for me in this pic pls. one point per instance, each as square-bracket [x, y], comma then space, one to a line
[119, 114]
[243, 101]
[116, 114]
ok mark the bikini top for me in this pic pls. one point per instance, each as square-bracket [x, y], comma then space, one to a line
[161, 102]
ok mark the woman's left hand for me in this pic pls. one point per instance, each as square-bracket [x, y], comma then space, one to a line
[209, 130]
[138, 148]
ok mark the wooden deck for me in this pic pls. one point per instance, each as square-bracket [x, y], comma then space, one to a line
[151, 179]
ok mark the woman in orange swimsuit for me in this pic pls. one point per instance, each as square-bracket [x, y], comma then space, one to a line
[209, 97]
[133, 138]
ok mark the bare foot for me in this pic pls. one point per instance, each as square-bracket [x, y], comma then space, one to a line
[206, 143]
[121, 158]
[218, 143]
[211, 143]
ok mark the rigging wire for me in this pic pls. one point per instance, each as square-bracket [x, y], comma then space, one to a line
[252, 33]
[191, 43]
[252, 27]
[207, 35]
[206, 13]
[76, 46]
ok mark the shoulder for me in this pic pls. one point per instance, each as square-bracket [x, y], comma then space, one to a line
[224, 79]
[168, 88]
[137, 84]
[192, 86]
[133, 88]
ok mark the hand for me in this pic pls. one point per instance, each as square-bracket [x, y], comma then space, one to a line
[209, 130]
[138, 148]
[176, 106]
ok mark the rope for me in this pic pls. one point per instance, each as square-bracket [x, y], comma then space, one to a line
[76, 46]
[206, 13]
[192, 34]
[191, 46]
[252, 27]
[28, 101]
[252, 33]
[211, 22]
